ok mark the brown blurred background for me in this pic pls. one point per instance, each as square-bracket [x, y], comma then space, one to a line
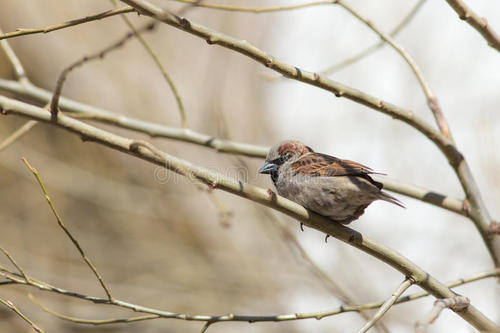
[162, 243]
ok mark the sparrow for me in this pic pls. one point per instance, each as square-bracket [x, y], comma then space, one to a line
[335, 188]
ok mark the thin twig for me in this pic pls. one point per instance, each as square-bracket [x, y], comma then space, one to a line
[474, 20]
[18, 267]
[84, 111]
[457, 303]
[387, 305]
[105, 14]
[17, 134]
[257, 10]
[370, 49]
[91, 321]
[66, 230]
[22, 315]
[19, 71]
[158, 64]
[336, 289]
[256, 194]
[54, 103]
[431, 97]
[13, 277]
[479, 213]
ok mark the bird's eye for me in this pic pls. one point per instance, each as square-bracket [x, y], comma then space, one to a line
[282, 159]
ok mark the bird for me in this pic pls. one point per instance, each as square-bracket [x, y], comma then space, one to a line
[338, 189]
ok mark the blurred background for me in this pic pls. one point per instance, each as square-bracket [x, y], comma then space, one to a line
[161, 242]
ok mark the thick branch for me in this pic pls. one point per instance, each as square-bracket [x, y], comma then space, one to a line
[84, 111]
[479, 213]
[253, 193]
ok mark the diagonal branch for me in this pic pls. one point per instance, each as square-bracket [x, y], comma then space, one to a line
[24, 31]
[67, 232]
[84, 111]
[367, 51]
[17, 134]
[19, 71]
[14, 278]
[54, 103]
[432, 101]
[158, 64]
[387, 305]
[478, 212]
[456, 303]
[253, 193]
[479, 23]
[11, 306]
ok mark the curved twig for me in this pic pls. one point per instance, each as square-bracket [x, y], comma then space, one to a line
[432, 100]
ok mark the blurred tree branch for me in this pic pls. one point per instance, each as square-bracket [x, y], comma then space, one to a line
[11, 306]
[158, 64]
[432, 101]
[369, 50]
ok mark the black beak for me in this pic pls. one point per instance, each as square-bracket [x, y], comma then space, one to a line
[268, 168]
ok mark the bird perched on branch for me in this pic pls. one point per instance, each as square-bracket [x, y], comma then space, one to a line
[332, 187]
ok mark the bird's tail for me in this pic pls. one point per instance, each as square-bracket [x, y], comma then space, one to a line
[389, 198]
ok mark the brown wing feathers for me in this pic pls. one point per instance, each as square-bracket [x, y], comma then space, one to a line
[322, 165]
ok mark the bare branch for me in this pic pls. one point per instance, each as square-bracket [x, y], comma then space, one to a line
[256, 194]
[369, 50]
[160, 66]
[387, 305]
[11, 259]
[14, 61]
[17, 134]
[108, 13]
[257, 10]
[431, 97]
[479, 213]
[457, 303]
[84, 111]
[67, 232]
[95, 322]
[22, 315]
[434, 198]
[479, 23]
[54, 103]
[229, 317]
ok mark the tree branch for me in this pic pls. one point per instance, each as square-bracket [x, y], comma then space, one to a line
[456, 303]
[24, 31]
[477, 22]
[253, 193]
[432, 101]
[11, 306]
[387, 305]
[84, 111]
[479, 213]
[67, 232]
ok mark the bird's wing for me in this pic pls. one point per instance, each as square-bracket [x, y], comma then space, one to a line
[322, 165]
